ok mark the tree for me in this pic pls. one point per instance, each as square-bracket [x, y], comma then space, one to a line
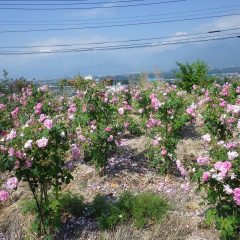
[193, 74]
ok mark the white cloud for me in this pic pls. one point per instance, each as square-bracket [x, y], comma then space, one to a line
[221, 23]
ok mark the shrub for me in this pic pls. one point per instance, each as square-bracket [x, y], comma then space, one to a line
[142, 209]
[193, 74]
[54, 209]
[72, 203]
[165, 118]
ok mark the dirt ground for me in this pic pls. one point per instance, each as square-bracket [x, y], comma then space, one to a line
[127, 169]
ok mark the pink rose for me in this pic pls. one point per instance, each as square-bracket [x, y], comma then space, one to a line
[191, 111]
[4, 195]
[11, 152]
[2, 106]
[15, 112]
[155, 103]
[223, 166]
[164, 152]
[155, 142]
[126, 125]
[43, 142]
[42, 117]
[206, 137]
[110, 139]
[38, 108]
[48, 123]
[236, 195]
[108, 129]
[12, 183]
[28, 163]
[206, 176]
[75, 151]
[203, 160]
[28, 144]
[121, 111]
[11, 135]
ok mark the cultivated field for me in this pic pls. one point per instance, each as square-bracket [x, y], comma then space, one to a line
[156, 161]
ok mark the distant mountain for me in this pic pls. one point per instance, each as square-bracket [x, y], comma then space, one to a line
[225, 70]
[124, 78]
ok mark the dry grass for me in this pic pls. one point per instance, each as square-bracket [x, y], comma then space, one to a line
[173, 227]
[14, 224]
[184, 222]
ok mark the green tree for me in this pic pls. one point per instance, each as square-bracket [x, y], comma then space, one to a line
[193, 74]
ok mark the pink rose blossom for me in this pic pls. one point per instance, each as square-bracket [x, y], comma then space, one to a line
[12, 183]
[38, 108]
[19, 154]
[11, 152]
[191, 111]
[126, 125]
[121, 111]
[28, 144]
[232, 155]
[28, 163]
[227, 189]
[152, 122]
[181, 168]
[75, 151]
[42, 117]
[108, 129]
[236, 195]
[238, 89]
[11, 135]
[43, 142]
[4, 195]
[43, 88]
[203, 160]
[206, 176]
[164, 152]
[206, 137]
[223, 167]
[110, 139]
[15, 112]
[155, 103]
[2, 106]
[155, 142]
[230, 145]
[48, 123]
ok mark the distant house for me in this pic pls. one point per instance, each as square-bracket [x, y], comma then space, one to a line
[88, 77]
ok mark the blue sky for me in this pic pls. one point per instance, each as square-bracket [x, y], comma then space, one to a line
[49, 66]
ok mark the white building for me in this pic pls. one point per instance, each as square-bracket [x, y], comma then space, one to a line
[88, 77]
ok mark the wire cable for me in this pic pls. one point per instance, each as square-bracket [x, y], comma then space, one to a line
[69, 3]
[123, 21]
[119, 41]
[117, 18]
[121, 47]
[91, 8]
[117, 25]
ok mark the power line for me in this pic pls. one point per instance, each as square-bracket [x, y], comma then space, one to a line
[124, 21]
[91, 8]
[69, 3]
[120, 41]
[13, 1]
[121, 47]
[117, 25]
[117, 18]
